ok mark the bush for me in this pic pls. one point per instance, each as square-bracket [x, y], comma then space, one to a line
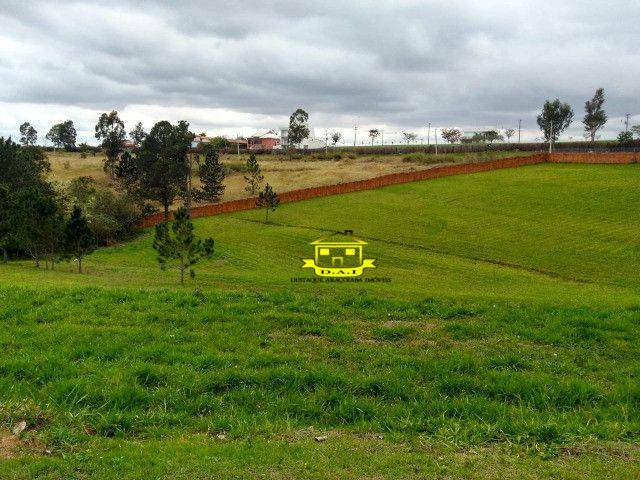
[625, 139]
[112, 216]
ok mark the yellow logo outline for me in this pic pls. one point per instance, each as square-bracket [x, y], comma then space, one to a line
[335, 258]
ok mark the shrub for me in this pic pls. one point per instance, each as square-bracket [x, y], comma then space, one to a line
[112, 216]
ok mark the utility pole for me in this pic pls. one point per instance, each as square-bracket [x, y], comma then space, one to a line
[626, 123]
[326, 140]
[382, 137]
[435, 133]
[429, 134]
[519, 129]
[355, 134]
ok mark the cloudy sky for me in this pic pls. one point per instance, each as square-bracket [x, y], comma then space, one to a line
[234, 67]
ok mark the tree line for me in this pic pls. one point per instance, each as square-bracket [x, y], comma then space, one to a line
[556, 116]
[51, 222]
[34, 219]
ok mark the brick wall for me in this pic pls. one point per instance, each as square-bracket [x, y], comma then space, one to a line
[405, 177]
[617, 157]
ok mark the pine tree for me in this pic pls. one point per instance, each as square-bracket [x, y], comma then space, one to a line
[269, 200]
[254, 177]
[5, 220]
[78, 237]
[212, 175]
[36, 223]
[180, 244]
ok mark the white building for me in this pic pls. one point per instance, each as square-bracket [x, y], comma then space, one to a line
[309, 143]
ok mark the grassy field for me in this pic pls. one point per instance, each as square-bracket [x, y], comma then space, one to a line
[506, 344]
[288, 174]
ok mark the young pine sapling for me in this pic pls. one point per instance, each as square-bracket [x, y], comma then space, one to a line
[254, 177]
[78, 237]
[268, 199]
[178, 245]
[212, 174]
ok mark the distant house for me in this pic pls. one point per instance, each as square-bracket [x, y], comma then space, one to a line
[269, 140]
[309, 143]
[238, 142]
[128, 145]
[198, 140]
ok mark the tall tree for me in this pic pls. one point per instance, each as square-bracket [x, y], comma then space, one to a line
[509, 132]
[336, 137]
[137, 134]
[594, 115]
[162, 165]
[63, 135]
[29, 134]
[409, 137]
[78, 238]
[298, 128]
[451, 135]
[37, 221]
[21, 168]
[254, 177]
[6, 208]
[554, 119]
[212, 174]
[636, 130]
[25, 199]
[492, 136]
[179, 244]
[127, 174]
[373, 133]
[268, 199]
[110, 131]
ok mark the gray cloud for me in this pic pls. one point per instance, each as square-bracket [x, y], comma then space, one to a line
[398, 64]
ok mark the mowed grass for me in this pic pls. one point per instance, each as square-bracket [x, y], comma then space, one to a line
[505, 346]
[126, 384]
[555, 234]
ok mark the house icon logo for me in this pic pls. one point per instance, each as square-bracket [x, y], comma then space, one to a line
[335, 257]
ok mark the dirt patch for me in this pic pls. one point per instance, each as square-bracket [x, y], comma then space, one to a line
[9, 444]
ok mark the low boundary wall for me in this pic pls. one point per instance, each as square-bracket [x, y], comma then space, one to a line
[405, 177]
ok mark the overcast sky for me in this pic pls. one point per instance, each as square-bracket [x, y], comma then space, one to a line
[234, 67]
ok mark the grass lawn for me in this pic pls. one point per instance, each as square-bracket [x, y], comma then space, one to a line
[505, 346]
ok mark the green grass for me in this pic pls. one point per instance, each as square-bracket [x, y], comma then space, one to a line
[505, 346]
[553, 234]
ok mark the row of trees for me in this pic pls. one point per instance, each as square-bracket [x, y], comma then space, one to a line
[33, 217]
[163, 168]
[555, 118]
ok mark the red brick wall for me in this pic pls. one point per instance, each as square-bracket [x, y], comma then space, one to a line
[617, 157]
[405, 177]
